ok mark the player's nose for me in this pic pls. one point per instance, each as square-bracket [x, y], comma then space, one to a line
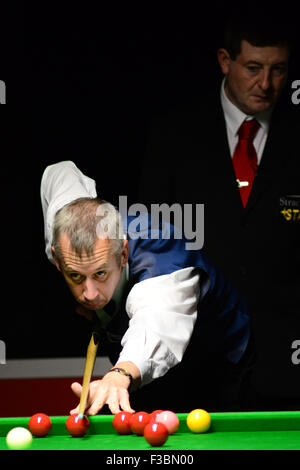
[90, 291]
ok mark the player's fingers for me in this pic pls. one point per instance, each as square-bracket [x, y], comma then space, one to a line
[113, 400]
[76, 388]
[96, 407]
[97, 401]
[105, 395]
[114, 407]
[124, 401]
[75, 411]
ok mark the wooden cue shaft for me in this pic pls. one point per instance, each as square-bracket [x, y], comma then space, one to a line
[88, 370]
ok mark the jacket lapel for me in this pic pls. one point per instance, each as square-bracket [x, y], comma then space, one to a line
[271, 166]
[225, 179]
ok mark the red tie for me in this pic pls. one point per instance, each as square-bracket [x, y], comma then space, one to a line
[245, 159]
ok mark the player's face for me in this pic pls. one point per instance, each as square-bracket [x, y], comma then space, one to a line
[92, 279]
[254, 80]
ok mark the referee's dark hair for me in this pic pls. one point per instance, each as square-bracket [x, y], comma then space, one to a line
[257, 25]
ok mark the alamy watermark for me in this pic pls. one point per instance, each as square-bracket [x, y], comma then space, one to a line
[163, 222]
[296, 354]
[2, 352]
[296, 93]
[2, 92]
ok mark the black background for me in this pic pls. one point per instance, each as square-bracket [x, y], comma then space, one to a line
[82, 85]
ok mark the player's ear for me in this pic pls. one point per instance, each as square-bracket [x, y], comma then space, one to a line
[55, 258]
[224, 60]
[124, 253]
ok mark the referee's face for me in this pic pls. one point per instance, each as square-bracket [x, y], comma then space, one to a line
[93, 278]
[254, 80]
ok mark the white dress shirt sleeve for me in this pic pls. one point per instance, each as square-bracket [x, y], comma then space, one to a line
[62, 183]
[162, 312]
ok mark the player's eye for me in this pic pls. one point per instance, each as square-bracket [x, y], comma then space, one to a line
[101, 274]
[75, 277]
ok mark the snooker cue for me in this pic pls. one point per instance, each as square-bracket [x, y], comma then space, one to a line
[88, 370]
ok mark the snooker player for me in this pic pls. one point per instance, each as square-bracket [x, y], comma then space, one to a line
[169, 292]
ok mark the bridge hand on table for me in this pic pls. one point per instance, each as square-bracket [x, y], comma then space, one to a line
[111, 390]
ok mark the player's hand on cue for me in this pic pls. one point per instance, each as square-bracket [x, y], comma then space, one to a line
[112, 390]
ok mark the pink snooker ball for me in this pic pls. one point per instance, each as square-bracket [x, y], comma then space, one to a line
[170, 420]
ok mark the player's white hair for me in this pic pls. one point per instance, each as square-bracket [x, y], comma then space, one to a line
[85, 220]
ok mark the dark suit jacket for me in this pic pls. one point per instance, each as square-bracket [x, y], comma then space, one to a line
[257, 248]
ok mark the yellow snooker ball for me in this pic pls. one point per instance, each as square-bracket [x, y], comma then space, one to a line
[198, 421]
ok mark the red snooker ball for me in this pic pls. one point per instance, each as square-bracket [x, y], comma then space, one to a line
[154, 415]
[156, 434]
[139, 421]
[77, 427]
[121, 422]
[39, 424]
